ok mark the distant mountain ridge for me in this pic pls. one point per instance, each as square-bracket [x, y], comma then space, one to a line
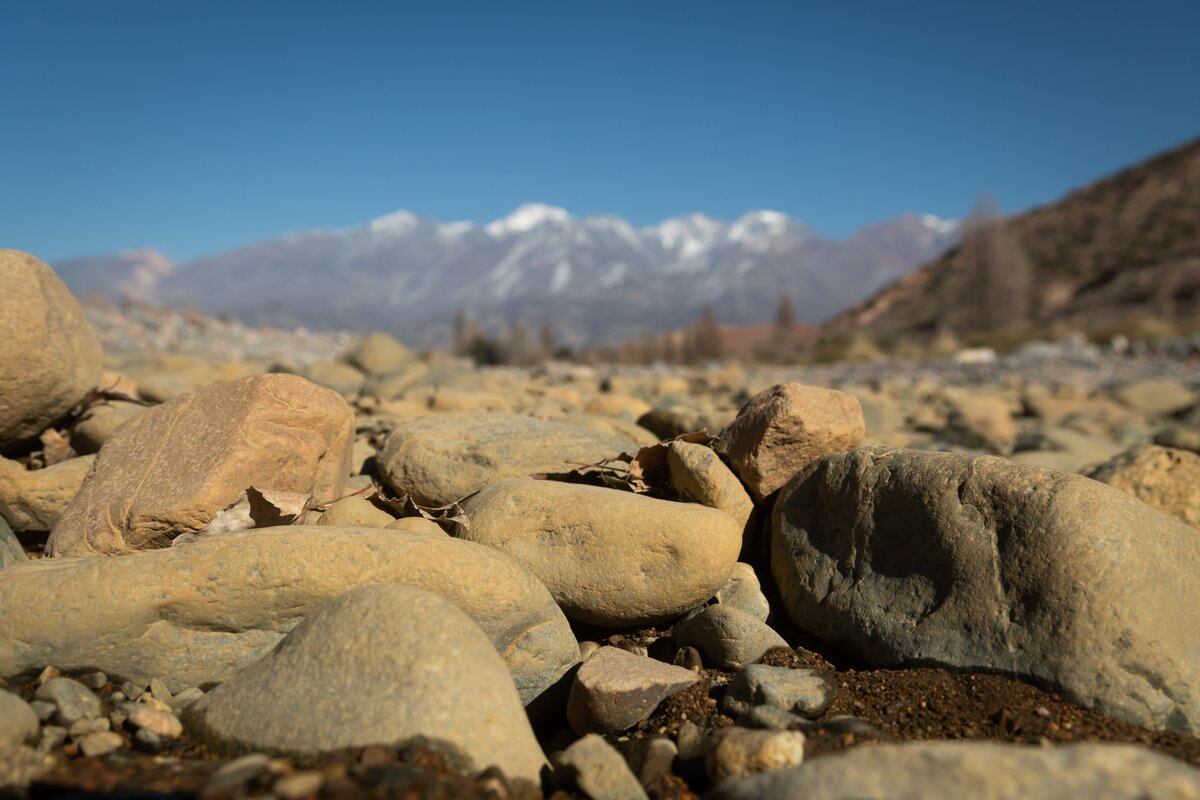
[594, 279]
[1124, 249]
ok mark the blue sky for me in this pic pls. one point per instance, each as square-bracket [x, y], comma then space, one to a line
[193, 127]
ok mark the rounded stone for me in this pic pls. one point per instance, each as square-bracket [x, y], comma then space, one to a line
[195, 613]
[376, 666]
[608, 557]
[443, 458]
[50, 355]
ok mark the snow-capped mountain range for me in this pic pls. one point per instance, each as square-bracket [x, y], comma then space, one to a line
[595, 278]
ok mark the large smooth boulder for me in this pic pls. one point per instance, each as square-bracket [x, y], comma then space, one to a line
[1163, 477]
[445, 457]
[196, 612]
[378, 665]
[170, 469]
[49, 353]
[981, 770]
[781, 430]
[35, 499]
[902, 557]
[608, 557]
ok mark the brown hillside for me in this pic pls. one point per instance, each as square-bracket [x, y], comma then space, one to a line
[1123, 248]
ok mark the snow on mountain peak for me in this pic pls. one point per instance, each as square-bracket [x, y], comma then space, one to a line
[400, 221]
[939, 225]
[757, 227]
[527, 217]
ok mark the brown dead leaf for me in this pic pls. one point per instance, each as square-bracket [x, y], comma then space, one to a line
[447, 515]
[643, 472]
[269, 507]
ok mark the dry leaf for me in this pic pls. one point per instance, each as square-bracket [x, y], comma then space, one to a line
[643, 472]
[234, 517]
[269, 507]
[405, 506]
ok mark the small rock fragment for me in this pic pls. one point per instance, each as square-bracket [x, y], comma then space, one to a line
[614, 690]
[592, 766]
[100, 743]
[72, 699]
[727, 637]
[742, 752]
[806, 692]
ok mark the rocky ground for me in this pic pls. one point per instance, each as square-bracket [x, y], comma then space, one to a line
[307, 573]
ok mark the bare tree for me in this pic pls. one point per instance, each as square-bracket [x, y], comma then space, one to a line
[998, 272]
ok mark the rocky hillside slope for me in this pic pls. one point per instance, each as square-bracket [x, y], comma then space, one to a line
[1123, 248]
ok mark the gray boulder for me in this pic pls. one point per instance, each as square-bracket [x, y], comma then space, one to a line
[445, 457]
[980, 770]
[902, 557]
[377, 665]
[195, 613]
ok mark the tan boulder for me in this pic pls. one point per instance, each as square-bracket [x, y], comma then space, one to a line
[445, 457]
[195, 613]
[982, 422]
[50, 356]
[34, 500]
[99, 421]
[1164, 478]
[783, 429]
[610, 404]
[170, 469]
[608, 557]
[320, 690]
[335, 375]
[379, 354]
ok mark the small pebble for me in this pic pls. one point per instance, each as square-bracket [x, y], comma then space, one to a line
[100, 743]
[298, 785]
[48, 674]
[185, 697]
[147, 741]
[846, 724]
[43, 709]
[86, 727]
[691, 741]
[118, 697]
[131, 690]
[159, 690]
[689, 658]
[236, 773]
[53, 737]
[162, 723]
[94, 680]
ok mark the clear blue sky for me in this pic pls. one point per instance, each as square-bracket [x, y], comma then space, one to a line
[193, 127]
